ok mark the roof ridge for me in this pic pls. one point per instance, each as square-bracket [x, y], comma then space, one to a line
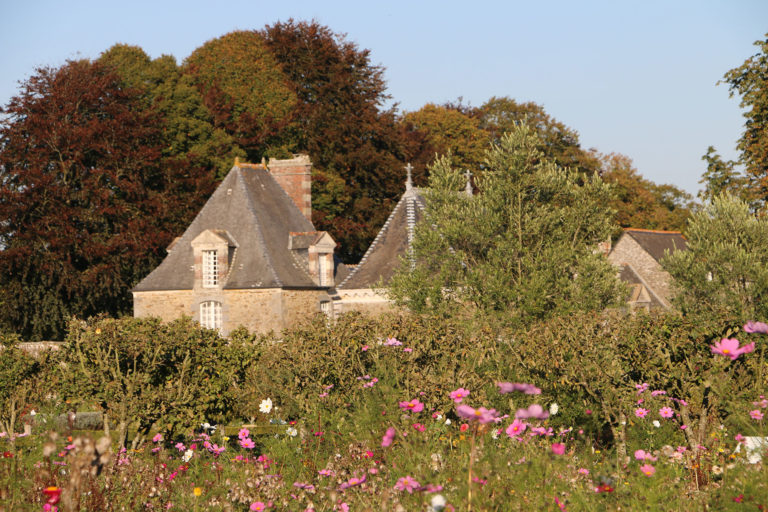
[259, 233]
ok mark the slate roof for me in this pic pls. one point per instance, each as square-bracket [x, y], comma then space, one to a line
[393, 241]
[259, 215]
[656, 243]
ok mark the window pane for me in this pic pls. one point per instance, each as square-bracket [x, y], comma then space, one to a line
[210, 269]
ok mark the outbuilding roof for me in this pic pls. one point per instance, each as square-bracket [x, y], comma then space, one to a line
[656, 243]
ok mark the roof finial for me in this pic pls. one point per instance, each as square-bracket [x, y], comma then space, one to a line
[468, 186]
[409, 180]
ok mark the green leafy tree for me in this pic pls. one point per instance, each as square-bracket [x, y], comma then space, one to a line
[641, 203]
[188, 128]
[521, 249]
[725, 269]
[750, 82]
[449, 130]
[87, 201]
[245, 90]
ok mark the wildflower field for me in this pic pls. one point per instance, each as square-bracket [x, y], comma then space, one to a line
[601, 412]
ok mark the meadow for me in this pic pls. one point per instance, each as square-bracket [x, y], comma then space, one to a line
[595, 412]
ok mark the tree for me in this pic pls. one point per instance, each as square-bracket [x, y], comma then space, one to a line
[750, 81]
[500, 115]
[641, 203]
[448, 130]
[244, 88]
[188, 129]
[87, 203]
[521, 249]
[725, 269]
[721, 177]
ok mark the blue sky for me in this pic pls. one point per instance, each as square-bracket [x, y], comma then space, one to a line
[637, 78]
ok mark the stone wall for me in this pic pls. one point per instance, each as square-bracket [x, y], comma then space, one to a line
[167, 305]
[628, 251]
[365, 301]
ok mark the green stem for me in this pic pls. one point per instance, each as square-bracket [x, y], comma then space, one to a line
[469, 473]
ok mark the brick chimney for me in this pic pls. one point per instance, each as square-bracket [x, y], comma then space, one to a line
[295, 176]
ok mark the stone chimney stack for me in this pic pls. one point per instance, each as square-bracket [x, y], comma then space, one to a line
[295, 176]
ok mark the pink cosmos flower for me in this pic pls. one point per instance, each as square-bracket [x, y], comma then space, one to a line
[756, 414]
[459, 395]
[666, 412]
[516, 428]
[244, 432]
[729, 347]
[641, 387]
[407, 349]
[247, 443]
[326, 472]
[157, 438]
[389, 436]
[647, 469]
[419, 427]
[643, 455]
[181, 447]
[762, 403]
[583, 471]
[759, 327]
[365, 348]
[509, 387]
[258, 506]
[640, 412]
[558, 448]
[393, 342]
[407, 483]
[739, 438]
[412, 406]
[352, 482]
[481, 415]
[534, 411]
[658, 392]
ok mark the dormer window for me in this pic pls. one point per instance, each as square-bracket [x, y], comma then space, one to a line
[210, 269]
[214, 254]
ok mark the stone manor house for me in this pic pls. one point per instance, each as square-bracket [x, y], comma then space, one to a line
[252, 257]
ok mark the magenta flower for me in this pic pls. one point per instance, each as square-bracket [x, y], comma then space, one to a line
[352, 482]
[534, 411]
[157, 438]
[759, 327]
[419, 427]
[389, 436]
[516, 428]
[258, 506]
[509, 387]
[247, 443]
[244, 432]
[647, 469]
[729, 347]
[412, 406]
[558, 448]
[643, 455]
[756, 414]
[459, 395]
[640, 412]
[666, 412]
[407, 483]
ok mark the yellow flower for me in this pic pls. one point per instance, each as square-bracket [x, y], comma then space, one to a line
[226, 439]
[98, 331]
[197, 491]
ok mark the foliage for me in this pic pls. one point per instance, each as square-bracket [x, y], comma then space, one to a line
[725, 268]
[188, 125]
[500, 115]
[355, 145]
[87, 204]
[750, 82]
[521, 249]
[449, 131]
[142, 373]
[244, 89]
[19, 384]
[640, 203]
[721, 177]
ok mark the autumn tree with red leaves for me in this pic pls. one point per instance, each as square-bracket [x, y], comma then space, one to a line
[87, 203]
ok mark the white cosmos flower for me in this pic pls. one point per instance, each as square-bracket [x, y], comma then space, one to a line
[187, 455]
[266, 405]
[437, 503]
[554, 408]
[656, 423]
[448, 421]
[291, 431]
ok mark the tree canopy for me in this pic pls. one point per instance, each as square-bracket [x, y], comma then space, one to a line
[524, 247]
[87, 202]
[725, 269]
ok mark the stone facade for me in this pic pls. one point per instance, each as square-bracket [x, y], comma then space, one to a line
[641, 251]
